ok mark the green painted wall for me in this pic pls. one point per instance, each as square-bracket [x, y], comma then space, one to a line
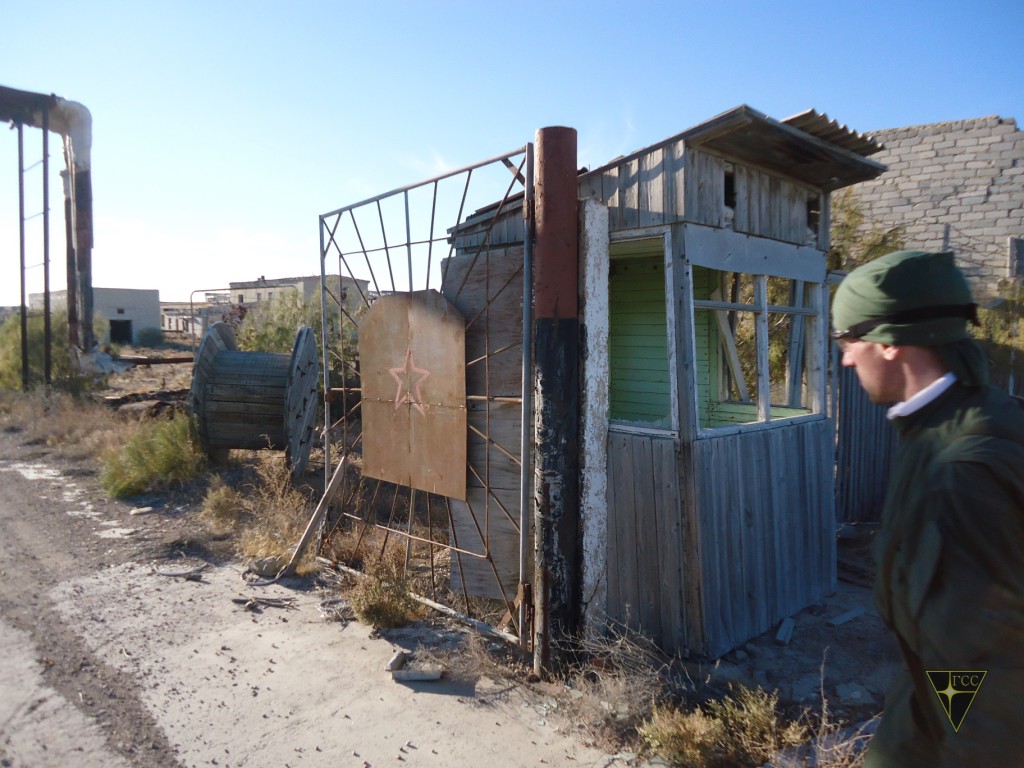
[638, 338]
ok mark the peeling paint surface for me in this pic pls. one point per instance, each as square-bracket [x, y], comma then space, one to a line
[594, 262]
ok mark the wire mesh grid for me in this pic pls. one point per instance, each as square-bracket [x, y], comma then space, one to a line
[465, 235]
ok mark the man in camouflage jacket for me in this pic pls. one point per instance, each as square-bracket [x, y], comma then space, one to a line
[950, 553]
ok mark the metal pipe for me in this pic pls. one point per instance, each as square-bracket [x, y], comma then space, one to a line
[21, 250]
[556, 383]
[47, 329]
[526, 413]
[71, 275]
[327, 359]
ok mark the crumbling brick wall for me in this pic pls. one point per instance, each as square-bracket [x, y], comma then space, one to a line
[968, 175]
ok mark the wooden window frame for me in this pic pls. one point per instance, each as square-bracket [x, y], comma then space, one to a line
[618, 240]
[730, 252]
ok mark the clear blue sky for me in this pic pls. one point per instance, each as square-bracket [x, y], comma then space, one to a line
[221, 130]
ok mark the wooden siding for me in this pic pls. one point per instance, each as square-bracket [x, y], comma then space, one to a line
[646, 548]
[644, 191]
[638, 339]
[772, 207]
[676, 183]
[765, 517]
[487, 289]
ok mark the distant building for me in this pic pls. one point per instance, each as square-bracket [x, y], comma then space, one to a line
[126, 310]
[184, 321]
[350, 292]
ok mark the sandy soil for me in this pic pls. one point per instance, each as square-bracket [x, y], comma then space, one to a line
[112, 662]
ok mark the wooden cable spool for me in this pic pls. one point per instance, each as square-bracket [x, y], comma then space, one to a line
[255, 400]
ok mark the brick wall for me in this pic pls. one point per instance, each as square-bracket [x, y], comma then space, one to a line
[968, 174]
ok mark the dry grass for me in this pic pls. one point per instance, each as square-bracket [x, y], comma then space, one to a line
[381, 599]
[73, 428]
[620, 679]
[742, 730]
[745, 729]
[262, 514]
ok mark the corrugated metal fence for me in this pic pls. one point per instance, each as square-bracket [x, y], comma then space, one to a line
[865, 444]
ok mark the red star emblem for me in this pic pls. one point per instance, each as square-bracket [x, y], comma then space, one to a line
[409, 379]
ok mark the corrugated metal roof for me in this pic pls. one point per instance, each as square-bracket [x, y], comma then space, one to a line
[818, 124]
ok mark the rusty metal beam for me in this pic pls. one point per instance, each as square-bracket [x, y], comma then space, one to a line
[72, 121]
[556, 392]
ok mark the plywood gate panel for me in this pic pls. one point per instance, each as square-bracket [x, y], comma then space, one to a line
[412, 361]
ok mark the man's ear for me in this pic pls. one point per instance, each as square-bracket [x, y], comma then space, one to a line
[890, 352]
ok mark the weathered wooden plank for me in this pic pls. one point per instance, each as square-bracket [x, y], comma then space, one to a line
[629, 194]
[651, 189]
[670, 554]
[479, 526]
[624, 513]
[612, 196]
[732, 251]
[491, 301]
[649, 578]
[675, 181]
[501, 423]
[691, 547]
[613, 556]
[223, 408]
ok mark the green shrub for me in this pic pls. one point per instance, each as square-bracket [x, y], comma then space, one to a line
[64, 372]
[270, 326]
[159, 454]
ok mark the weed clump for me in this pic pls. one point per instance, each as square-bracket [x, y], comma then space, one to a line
[158, 454]
[381, 599]
[740, 730]
[619, 680]
[223, 509]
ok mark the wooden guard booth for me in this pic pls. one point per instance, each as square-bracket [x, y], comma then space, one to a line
[707, 449]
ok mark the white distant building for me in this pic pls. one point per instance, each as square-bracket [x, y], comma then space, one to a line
[264, 289]
[126, 310]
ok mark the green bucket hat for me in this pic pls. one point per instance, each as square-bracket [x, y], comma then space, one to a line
[905, 298]
[913, 298]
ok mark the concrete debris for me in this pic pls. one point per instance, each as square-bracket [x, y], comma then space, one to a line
[785, 633]
[850, 615]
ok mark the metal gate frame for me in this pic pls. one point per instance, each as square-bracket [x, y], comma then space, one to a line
[343, 221]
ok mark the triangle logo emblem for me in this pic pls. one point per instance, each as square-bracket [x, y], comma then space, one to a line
[956, 691]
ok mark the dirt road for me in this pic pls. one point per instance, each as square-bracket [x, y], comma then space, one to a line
[110, 659]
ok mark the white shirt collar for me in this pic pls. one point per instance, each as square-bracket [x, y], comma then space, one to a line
[922, 398]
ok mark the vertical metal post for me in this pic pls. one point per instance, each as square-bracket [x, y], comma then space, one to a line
[408, 238]
[21, 249]
[556, 389]
[47, 329]
[326, 355]
[526, 419]
[83, 249]
[74, 330]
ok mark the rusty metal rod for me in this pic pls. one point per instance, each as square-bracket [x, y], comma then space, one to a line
[47, 328]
